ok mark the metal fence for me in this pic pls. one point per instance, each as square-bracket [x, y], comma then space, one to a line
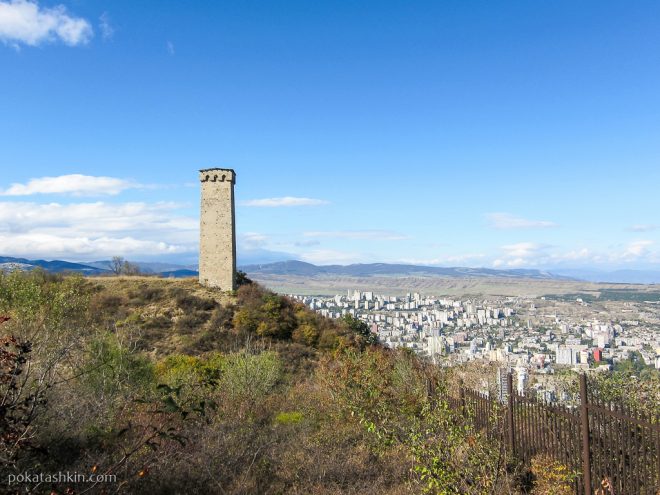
[613, 450]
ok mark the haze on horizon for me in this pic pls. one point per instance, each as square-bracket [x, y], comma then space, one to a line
[511, 135]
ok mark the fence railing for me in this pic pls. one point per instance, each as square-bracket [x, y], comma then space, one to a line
[613, 449]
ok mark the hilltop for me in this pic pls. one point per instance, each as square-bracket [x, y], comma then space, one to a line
[172, 388]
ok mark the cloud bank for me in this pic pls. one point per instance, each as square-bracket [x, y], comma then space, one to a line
[73, 184]
[91, 230]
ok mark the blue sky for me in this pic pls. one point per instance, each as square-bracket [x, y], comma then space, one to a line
[506, 134]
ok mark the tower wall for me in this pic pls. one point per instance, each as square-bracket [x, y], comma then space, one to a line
[217, 229]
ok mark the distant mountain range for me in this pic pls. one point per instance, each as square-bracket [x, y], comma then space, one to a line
[55, 266]
[95, 267]
[301, 268]
[613, 277]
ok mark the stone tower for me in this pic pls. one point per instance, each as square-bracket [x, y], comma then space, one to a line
[217, 229]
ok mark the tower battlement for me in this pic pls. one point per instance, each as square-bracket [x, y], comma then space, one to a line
[217, 229]
[217, 175]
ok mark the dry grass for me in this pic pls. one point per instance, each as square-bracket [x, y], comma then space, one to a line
[122, 285]
[161, 315]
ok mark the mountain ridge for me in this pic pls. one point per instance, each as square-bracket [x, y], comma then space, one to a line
[301, 268]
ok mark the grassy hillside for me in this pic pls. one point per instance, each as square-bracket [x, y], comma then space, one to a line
[173, 388]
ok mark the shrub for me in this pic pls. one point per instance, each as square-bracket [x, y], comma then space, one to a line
[289, 418]
[39, 296]
[264, 313]
[551, 477]
[188, 323]
[222, 317]
[146, 294]
[188, 302]
[181, 369]
[247, 379]
[306, 334]
[159, 322]
[112, 368]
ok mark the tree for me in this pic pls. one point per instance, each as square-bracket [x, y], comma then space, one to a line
[130, 269]
[361, 328]
[120, 266]
[242, 278]
[117, 264]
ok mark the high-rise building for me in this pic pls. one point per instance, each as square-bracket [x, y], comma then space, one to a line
[566, 355]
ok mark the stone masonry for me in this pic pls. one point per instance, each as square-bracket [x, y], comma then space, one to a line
[217, 229]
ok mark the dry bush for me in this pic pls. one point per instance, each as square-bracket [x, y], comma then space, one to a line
[551, 477]
[190, 322]
[188, 302]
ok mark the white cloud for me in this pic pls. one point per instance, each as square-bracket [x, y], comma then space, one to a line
[508, 221]
[524, 249]
[445, 260]
[25, 22]
[73, 184]
[379, 235]
[285, 201]
[643, 227]
[107, 31]
[54, 246]
[92, 217]
[636, 249]
[93, 230]
[529, 254]
[579, 255]
[521, 254]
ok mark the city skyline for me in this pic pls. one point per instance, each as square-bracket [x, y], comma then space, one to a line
[502, 136]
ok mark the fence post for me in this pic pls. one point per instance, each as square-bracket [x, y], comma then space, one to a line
[430, 392]
[584, 426]
[509, 413]
[461, 395]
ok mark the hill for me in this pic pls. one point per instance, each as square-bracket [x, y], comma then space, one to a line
[176, 388]
[55, 266]
[171, 387]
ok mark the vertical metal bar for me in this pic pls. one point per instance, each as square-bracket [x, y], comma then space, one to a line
[627, 428]
[461, 396]
[657, 450]
[535, 425]
[584, 426]
[577, 442]
[618, 451]
[644, 437]
[511, 436]
[540, 444]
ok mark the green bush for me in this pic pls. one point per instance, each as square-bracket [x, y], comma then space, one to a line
[289, 418]
[111, 368]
